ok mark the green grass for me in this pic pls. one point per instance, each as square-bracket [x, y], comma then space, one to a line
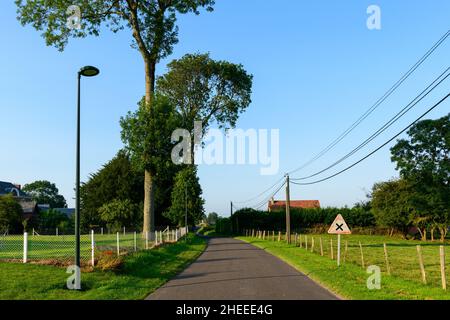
[62, 247]
[142, 273]
[349, 281]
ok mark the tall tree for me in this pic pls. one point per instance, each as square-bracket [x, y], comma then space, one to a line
[186, 194]
[116, 180]
[206, 90]
[45, 192]
[424, 160]
[147, 136]
[152, 24]
[391, 205]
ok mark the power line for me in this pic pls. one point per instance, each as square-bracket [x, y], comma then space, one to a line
[265, 200]
[261, 204]
[376, 150]
[256, 197]
[394, 119]
[376, 105]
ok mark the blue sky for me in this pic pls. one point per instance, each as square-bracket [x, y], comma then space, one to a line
[316, 69]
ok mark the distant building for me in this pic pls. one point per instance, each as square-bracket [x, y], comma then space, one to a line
[29, 206]
[278, 205]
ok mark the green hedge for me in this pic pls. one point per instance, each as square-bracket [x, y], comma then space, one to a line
[301, 218]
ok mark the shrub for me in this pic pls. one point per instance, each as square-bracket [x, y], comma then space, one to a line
[108, 260]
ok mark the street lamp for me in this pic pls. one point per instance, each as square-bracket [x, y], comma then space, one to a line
[87, 71]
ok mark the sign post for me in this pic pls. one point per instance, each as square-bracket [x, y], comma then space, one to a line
[339, 226]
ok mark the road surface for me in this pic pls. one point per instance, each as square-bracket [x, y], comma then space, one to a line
[230, 269]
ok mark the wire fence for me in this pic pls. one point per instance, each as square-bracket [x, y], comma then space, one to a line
[418, 261]
[59, 249]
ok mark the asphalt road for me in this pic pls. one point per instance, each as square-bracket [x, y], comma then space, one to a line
[230, 269]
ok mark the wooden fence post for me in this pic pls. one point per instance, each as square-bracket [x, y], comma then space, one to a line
[442, 258]
[362, 254]
[388, 268]
[306, 242]
[295, 239]
[264, 235]
[331, 249]
[279, 236]
[300, 241]
[312, 244]
[422, 267]
[321, 246]
[345, 250]
[135, 242]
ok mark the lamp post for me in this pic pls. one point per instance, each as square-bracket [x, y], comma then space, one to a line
[87, 71]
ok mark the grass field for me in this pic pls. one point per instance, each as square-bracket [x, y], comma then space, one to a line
[141, 274]
[349, 280]
[62, 247]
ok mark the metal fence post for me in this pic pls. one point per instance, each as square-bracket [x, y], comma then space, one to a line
[118, 244]
[92, 248]
[25, 247]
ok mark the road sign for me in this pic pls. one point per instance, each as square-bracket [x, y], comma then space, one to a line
[339, 226]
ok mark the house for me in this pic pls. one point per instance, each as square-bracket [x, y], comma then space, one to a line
[29, 206]
[278, 205]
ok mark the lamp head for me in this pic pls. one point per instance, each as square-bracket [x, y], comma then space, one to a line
[89, 71]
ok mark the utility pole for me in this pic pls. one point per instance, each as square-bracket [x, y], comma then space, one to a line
[288, 211]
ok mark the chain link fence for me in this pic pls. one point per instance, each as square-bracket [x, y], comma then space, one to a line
[59, 249]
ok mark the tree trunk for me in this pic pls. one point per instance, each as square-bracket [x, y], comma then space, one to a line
[443, 233]
[424, 234]
[149, 184]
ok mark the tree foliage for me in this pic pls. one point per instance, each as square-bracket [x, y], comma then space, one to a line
[392, 206]
[45, 192]
[424, 160]
[187, 193]
[147, 135]
[51, 219]
[10, 213]
[152, 22]
[117, 180]
[120, 213]
[206, 90]
[212, 218]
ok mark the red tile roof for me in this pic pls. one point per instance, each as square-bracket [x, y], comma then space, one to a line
[304, 204]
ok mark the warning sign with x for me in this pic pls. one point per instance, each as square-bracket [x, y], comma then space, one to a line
[339, 226]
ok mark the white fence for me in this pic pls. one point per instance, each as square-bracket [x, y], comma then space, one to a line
[35, 247]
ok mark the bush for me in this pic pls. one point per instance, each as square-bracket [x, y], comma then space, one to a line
[10, 214]
[108, 260]
[301, 219]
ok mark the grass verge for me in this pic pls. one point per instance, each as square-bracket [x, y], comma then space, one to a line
[141, 274]
[350, 280]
